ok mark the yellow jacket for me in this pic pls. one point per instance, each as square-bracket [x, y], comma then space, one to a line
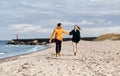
[58, 33]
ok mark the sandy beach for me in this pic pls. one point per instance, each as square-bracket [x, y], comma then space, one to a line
[94, 58]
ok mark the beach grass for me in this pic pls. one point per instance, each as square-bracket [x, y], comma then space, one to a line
[110, 36]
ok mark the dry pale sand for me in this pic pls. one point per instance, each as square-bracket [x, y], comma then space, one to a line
[100, 58]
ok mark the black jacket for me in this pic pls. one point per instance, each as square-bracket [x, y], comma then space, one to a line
[75, 36]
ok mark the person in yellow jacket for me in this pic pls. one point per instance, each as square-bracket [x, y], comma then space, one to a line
[58, 31]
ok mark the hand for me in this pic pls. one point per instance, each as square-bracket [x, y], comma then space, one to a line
[49, 41]
[68, 33]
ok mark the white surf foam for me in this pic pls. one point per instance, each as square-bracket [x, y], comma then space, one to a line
[2, 53]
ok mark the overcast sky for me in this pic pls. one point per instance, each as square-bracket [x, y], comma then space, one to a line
[37, 18]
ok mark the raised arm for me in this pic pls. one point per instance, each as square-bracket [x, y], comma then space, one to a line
[71, 33]
[65, 32]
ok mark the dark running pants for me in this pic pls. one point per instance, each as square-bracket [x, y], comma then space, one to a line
[58, 45]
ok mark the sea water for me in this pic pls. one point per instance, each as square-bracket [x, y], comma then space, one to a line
[14, 50]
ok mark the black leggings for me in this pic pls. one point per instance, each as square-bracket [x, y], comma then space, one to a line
[58, 45]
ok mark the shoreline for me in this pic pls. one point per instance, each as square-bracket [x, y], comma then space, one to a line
[94, 58]
[6, 59]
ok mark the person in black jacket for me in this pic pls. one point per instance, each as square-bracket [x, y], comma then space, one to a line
[75, 37]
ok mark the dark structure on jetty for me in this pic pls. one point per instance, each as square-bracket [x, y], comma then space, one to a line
[41, 41]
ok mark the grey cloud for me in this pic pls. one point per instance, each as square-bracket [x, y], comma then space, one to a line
[47, 13]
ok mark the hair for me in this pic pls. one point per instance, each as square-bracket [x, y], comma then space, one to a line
[59, 24]
[78, 27]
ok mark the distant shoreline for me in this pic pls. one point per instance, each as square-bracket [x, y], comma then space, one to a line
[43, 41]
